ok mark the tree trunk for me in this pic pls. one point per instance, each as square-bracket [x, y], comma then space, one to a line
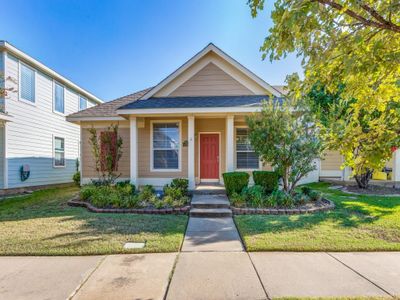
[363, 179]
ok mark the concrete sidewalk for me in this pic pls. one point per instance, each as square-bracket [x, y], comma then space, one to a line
[201, 275]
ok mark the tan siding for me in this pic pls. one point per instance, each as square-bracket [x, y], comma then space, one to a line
[211, 81]
[331, 161]
[144, 170]
[88, 163]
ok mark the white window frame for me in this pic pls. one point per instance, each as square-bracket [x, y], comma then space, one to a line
[54, 151]
[54, 97]
[242, 169]
[179, 169]
[79, 102]
[20, 64]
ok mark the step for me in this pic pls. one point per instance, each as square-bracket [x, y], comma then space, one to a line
[211, 204]
[209, 192]
[210, 213]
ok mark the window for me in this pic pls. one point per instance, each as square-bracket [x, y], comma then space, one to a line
[27, 84]
[246, 157]
[59, 152]
[165, 146]
[58, 98]
[82, 103]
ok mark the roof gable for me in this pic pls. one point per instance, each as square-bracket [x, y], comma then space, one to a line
[214, 55]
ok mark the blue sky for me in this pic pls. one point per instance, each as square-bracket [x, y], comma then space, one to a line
[114, 48]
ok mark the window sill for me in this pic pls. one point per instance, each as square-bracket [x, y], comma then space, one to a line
[27, 102]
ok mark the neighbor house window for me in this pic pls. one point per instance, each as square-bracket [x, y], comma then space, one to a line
[58, 98]
[246, 157]
[27, 84]
[165, 144]
[82, 103]
[59, 152]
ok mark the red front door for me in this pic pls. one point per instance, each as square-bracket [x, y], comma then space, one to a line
[209, 156]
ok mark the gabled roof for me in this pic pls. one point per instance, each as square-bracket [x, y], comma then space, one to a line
[211, 48]
[107, 109]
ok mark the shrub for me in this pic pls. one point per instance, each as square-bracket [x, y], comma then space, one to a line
[306, 190]
[281, 198]
[131, 201]
[254, 195]
[315, 196]
[267, 179]
[180, 183]
[301, 198]
[104, 196]
[87, 191]
[77, 178]
[237, 200]
[147, 194]
[125, 188]
[173, 192]
[235, 182]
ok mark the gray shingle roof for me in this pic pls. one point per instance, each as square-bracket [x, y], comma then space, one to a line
[108, 109]
[194, 102]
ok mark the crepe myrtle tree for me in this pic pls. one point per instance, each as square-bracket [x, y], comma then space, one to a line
[284, 135]
[106, 151]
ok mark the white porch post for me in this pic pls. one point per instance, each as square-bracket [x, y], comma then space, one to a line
[191, 140]
[133, 150]
[396, 167]
[346, 173]
[230, 165]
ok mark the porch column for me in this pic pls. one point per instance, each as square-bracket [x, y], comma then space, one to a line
[346, 173]
[396, 167]
[229, 131]
[133, 150]
[191, 140]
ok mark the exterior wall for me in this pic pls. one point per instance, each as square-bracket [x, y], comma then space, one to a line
[330, 164]
[2, 143]
[211, 80]
[87, 161]
[31, 133]
[2, 58]
[144, 169]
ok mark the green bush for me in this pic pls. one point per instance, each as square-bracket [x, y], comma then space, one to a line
[306, 190]
[87, 191]
[267, 179]
[104, 196]
[125, 188]
[315, 196]
[280, 198]
[147, 194]
[301, 198]
[77, 178]
[254, 195]
[180, 183]
[237, 200]
[235, 182]
[173, 192]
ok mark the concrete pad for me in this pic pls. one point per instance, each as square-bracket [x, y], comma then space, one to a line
[309, 275]
[43, 277]
[215, 276]
[382, 268]
[196, 241]
[210, 224]
[136, 276]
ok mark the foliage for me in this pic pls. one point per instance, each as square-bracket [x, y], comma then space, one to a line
[87, 191]
[254, 195]
[182, 184]
[315, 195]
[4, 89]
[237, 200]
[106, 151]
[344, 48]
[235, 182]
[77, 178]
[267, 179]
[147, 194]
[281, 198]
[283, 134]
[306, 190]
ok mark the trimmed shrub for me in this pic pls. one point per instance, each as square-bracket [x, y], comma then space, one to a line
[77, 178]
[87, 191]
[180, 183]
[235, 182]
[267, 179]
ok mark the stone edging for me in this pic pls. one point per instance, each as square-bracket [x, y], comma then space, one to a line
[147, 211]
[328, 205]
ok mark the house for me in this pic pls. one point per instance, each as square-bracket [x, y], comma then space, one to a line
[38, 147]
[191, 124]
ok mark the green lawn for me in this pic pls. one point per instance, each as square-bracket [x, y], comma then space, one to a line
[43, 224]
[358, 223]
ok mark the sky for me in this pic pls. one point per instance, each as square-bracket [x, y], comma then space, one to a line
[114, 48]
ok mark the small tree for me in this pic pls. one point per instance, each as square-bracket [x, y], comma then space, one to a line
[106, 151]
[284, 136]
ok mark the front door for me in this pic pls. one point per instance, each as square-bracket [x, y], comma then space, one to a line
[209, 157]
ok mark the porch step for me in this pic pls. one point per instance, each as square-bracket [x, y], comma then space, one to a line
[207, 204]
[210, 213]
[209, 192]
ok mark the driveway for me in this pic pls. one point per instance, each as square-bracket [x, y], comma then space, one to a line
[201, 275]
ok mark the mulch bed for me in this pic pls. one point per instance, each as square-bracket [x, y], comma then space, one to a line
[311, 207]
[372, 190]
[149, 211]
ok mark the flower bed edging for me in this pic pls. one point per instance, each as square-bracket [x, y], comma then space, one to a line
[327, 205]
[147, 211]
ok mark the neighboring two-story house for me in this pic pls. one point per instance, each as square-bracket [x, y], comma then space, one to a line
[38, 147]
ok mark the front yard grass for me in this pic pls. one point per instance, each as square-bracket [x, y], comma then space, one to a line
[358, 223]
[43, 224]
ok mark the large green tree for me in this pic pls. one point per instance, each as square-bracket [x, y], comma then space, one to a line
[351, 47]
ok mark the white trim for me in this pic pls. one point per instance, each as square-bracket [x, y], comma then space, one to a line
[230, 140]
[20, 83]
[235, 153]
[219, 157]
[54, 151]
[78, 119]
[173, 111]
[79, 102]
[191, 152]
[179, 169]
[5, 162]
[55, 82]
[21, 55]
[133, 132]
[211, 48]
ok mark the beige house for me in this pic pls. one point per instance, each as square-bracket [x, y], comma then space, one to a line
[191, 125]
